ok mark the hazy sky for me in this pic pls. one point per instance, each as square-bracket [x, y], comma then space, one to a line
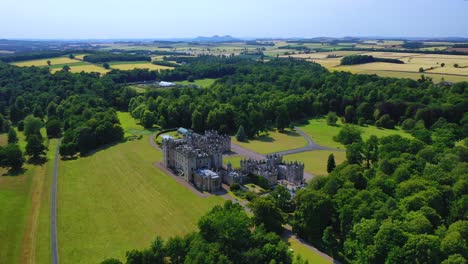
[101, 19]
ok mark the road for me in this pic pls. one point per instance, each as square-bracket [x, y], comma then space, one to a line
[53, 208]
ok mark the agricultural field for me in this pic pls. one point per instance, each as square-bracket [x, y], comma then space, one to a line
[273, 141]
[25, 212]
[431, 63]
[204, 83]
[122, 202]
[315, 162]
[43, 62]
[130, 65]
[86, 67]
[322, 133]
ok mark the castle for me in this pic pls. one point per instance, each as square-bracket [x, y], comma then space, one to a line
[199, 160]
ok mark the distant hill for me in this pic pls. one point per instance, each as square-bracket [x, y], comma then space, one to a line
[216, 38]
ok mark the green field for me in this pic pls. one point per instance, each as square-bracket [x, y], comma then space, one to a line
[306, 254]
[316, 161]
[130, 65]
[201, 82]
[130, 125]
[322, 134]
[24, 214]
[117, 200]
[273, 141]
[235, 160]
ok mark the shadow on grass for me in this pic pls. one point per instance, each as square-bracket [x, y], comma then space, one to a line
[37, 160]
[14, 172]
[101, 148]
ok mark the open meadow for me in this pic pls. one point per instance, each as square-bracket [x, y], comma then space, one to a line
[121, 201]
[204, 83]
[273, 141]
[25, 211]
[315, 162]
[322, 133]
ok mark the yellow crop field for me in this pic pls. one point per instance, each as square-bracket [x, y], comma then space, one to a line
[43, 62]
[85, 68]
[431, 63]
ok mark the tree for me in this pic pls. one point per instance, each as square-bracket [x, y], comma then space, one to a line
[455, 65]
[422, 249]
[354, 153]
[421, 69]
[71, 56]
[385, 121]
[332, 118]
[331, 163]
[240, 135]
[53, 128]
[148, 119]
[49, 63]
[266, 213]
[106, 65]
[35, 146]
[12, 137]
[32, 126]
[348, 135]
[11, 157]
[111, 261]
[350, 114]
[66, 68]
[68, 149]
[198, 122]
[442, 64]
[282, 198]
[282, 118]
[310, 204]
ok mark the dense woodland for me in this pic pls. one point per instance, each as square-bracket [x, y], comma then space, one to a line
[361, 59]
[394, 200]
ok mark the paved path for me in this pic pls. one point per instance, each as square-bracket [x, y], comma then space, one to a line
[53, 209]
[311, 145]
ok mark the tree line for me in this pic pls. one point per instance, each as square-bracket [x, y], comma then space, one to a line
[100, 57]
[361, 59]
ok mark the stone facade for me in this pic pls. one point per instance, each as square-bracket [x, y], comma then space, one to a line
[273, 168]
[197, 158]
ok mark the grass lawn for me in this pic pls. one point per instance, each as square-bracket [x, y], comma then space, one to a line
[24, 212]
[321, 133]
[201, 82]
[130, 65]
[274, 141]
[315, 162]
[306, 254]
[235, 160]
[117, 200]
[130, 125]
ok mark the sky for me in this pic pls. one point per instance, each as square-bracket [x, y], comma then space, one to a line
[127, 19]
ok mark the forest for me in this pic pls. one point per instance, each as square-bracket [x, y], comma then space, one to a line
[395, 200]
[361, 59]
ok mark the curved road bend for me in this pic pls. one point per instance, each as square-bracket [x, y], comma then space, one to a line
[53, 208]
